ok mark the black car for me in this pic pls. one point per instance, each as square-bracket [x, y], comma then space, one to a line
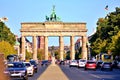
[44, 62]
[35, 65]
[107, 65]
[62, 62]
[99, 64]
[16, 70]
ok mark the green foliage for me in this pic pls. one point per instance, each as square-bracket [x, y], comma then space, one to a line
[57, 54]
[78, 54]
[6, 48]
[40, 55]
[68, 55]
[28, 55]
[6, 34]
[107, 34]
[116, 44]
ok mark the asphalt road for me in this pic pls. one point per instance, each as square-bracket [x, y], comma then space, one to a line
[41, 69]
[79, 74]
[74, 73]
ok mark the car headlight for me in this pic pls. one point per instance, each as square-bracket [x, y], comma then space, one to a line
[22, 71]
[6, 72]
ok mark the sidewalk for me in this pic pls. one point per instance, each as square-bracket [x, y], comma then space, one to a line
[53, 72]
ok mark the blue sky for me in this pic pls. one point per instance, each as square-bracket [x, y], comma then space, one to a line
[87, 11]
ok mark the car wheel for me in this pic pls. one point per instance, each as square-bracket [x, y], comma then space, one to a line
[35, 71]
[85, 69]
[94, 69]
[101, 69]
[111, 69]
[32, 74]
[25, 77]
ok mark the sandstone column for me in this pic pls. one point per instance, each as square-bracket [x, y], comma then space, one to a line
[23, 48]
[46, 47]
[34, 48]
[61, 42]
[72, 46]
[84, 48]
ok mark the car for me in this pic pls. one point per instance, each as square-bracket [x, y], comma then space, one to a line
[62, 62]
[90, 64]
[118, 65]
[99, 64]
[35, 65]
[30, 68]
[16, 70]
[44, 63]
[73, 63]
[107, 65]
[81, 63]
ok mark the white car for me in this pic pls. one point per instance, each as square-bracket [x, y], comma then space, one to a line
[30, 68]
[81, 63]
[73, 63]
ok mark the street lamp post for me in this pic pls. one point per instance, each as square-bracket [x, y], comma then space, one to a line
[89, 53]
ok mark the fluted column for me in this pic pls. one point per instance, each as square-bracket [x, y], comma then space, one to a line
[61, 42]
[23, 48]
[46, 47]
[34, 47]
[84, 48]
[72, 46]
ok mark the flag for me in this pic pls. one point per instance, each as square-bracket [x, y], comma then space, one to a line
[5, 18]
[106, 8]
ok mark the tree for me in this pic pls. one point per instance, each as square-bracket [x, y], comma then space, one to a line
[68, 55]
[115, 45]
[107, 34]
[6, 34]
[28, 55]
[6, 48]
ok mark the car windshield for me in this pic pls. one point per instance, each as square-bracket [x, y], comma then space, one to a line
[90, 62]
[33, 62]
[45, 61]
[16, 65]
[100, 62]
[107, 63]
[82, 60]
[27, 64]
[74, 61]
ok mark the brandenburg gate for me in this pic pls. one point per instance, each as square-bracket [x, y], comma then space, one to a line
[53, 27]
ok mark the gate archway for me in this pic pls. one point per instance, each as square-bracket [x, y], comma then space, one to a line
[54, 28]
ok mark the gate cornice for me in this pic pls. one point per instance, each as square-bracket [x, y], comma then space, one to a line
[53, 28]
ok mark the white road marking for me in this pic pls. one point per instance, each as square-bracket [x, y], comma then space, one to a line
[95, 76]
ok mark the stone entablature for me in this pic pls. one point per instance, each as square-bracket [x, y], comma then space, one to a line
[53, 25]
[50, 28]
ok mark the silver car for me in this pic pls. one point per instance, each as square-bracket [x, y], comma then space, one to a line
[81, 63]
[73, 63]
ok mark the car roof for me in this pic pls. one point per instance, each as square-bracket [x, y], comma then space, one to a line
[14, 62]
[107, 62]
[90, 61]
[26, 62]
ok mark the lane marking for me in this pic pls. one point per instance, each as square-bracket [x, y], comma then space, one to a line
[95, 76]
